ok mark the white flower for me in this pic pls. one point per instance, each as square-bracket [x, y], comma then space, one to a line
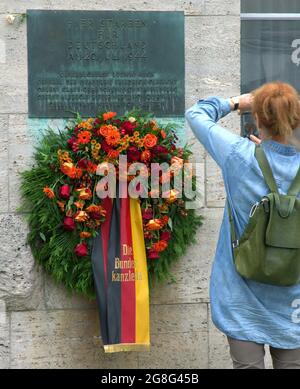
[10, 19]
[132, 119]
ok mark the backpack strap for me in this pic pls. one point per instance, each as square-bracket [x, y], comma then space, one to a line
[266, 169]
[295, 186]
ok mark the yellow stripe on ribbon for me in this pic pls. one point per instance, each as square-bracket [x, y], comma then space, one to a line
[142, 325]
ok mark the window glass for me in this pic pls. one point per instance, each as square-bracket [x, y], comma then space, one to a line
[270, 46]
[270, 6]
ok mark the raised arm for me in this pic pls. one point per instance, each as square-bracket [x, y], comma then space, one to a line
[203, 117]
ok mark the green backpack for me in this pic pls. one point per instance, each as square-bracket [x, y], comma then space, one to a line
[269, 248]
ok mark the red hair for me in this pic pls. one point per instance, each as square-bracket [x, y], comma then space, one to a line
[277, 107]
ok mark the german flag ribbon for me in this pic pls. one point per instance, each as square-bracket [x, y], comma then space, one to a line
[121, 277]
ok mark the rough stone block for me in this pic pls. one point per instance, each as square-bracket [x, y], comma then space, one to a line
[193, 270]
[21, 280]
[4, 336]
[4, 163]
[212, 57]
[57, 297]
[225, 7]
[13, 91]
[61, 339]
[182, 350]
[219, 356]
[20, 155]
[215, 191]
[178, 318]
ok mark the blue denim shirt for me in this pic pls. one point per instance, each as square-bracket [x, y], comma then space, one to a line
[245, 309]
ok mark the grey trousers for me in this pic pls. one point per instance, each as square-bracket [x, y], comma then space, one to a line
[250, 355]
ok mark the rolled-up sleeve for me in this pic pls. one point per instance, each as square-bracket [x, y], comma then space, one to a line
[202, 118]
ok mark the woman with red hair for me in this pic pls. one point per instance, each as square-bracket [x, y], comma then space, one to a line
[252, 314]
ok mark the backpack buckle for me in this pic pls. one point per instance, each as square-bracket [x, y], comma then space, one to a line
[235, 244]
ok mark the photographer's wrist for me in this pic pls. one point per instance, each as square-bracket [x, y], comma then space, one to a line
[234, 102]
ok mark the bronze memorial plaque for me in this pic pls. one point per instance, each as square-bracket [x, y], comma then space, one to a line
[92, 61]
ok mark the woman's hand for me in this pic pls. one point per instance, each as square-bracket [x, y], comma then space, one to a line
[245, 102]
[255, 139]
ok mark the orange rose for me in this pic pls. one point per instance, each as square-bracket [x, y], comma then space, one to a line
[150, 141]
[81, 216]
[70, 170]
[159, 246]
[109, 115]
[153, 125]
[61, 205]
[145, 156]
[84, 193]
[163, 134]
[79, 204]
[113, 154]
[154, 224]
[104, 130]
[49, 192]
[91, 167]
[172, 196]
[96, 211]
[85, 234]
[78, 173]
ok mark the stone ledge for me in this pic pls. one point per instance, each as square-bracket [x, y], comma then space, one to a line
[191, 7]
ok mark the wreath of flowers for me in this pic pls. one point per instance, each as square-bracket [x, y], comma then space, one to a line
[64, 212]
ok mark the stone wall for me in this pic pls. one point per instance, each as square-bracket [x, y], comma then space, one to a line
[41, 326]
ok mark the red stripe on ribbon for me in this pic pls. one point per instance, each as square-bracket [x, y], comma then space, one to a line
[105, 231]
[127, 287]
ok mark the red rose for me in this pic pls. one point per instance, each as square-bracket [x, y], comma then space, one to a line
[148, 235]
[133, 154]
[71, 142]
[116, 122]
[128, 127]
[152, 254]
[69, 223]
[81, 250]
[105, 147]
[165, 235]
[98, 121]
[64, 192]
[147, 214]
[83, 163]
[158, 149]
